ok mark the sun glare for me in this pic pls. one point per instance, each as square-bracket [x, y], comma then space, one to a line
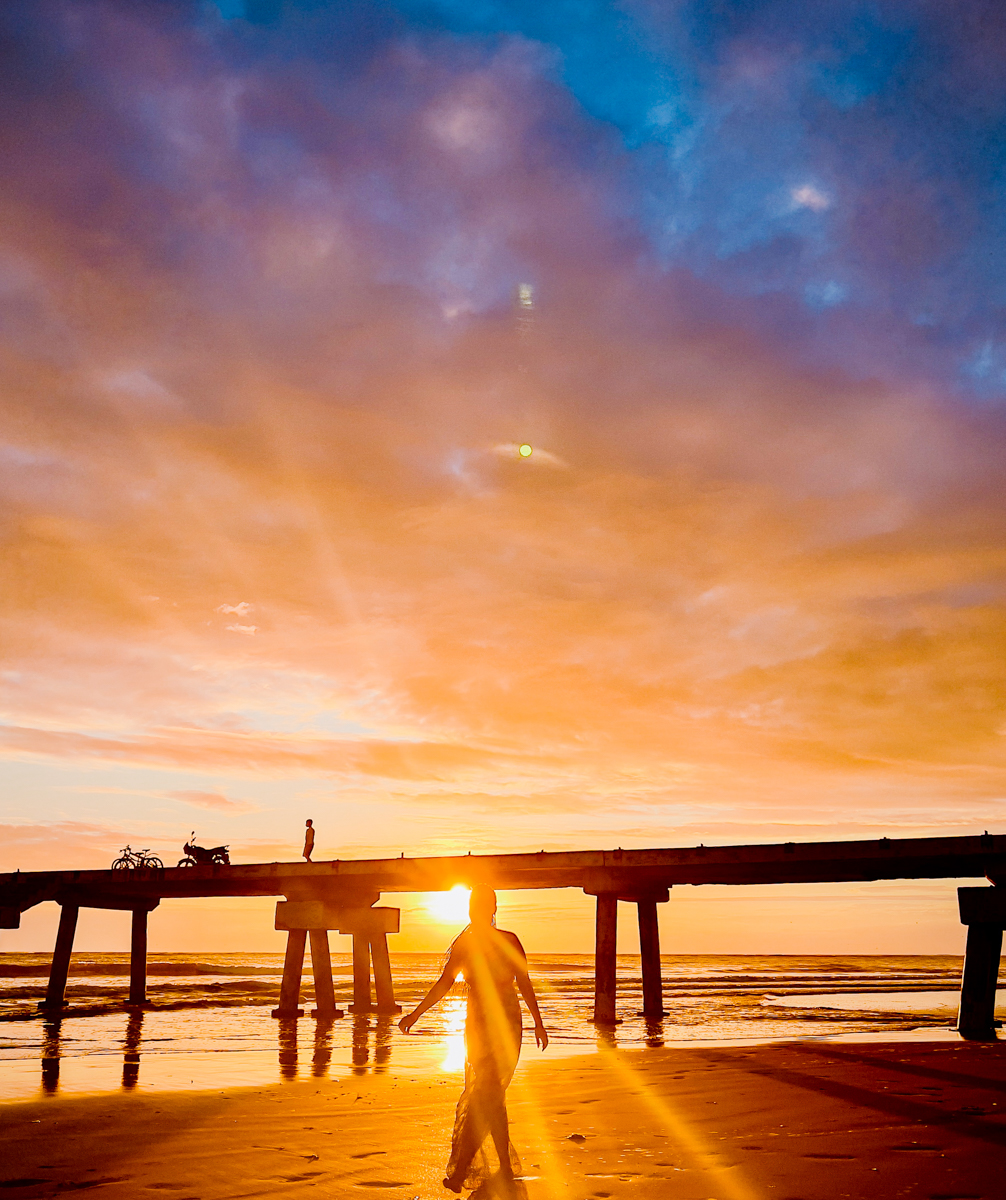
[449, 907]
[454, 1035]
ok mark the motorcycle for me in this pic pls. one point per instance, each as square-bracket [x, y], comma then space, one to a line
[200, 856]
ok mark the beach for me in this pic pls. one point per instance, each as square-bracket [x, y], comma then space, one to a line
[813, 1120]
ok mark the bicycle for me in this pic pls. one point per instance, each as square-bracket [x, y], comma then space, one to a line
[132, 859]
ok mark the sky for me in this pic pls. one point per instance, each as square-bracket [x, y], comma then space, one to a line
[283, 288]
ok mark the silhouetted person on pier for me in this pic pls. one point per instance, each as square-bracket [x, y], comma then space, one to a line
[492, 961]
[308, 839]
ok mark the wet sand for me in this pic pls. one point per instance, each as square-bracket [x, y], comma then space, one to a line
[792, 1121]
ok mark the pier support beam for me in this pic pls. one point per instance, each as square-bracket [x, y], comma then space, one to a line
[383, 983]
[361, 974]
[649, 953]
[321, 968]
[605, 941]
[138, 958]
[983, 910]
[293, 967]
[610, 886]
[60, 967]
[369, 927]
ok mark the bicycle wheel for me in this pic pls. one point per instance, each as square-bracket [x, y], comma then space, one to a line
[122, 863]
[153, 861]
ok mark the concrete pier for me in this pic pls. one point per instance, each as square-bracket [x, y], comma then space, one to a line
[983, 910]
[321, 968]
[369, 928]
[609, 887]
[361, 974]
[383, 983]
[341, 895]
[138, 958]
[60, 967]
[293, 968]
[605, 942]
[649, 954]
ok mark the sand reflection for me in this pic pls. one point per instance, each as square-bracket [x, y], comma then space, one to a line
[287, 1048]
[50, 1057]
[383, 1028]
[322, 1056]
[361, 1043]
[131, 1046]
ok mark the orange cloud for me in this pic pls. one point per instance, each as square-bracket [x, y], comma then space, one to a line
[213, 800]
[262, 520]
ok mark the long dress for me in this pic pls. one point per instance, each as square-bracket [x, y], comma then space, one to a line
[489, 958]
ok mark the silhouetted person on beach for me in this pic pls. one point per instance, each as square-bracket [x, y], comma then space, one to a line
[492, 961]
[308, 839]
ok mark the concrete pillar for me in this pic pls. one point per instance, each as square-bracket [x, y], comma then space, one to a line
[983, 911]
[369, 926]
[649, 953]
[293, 966]
[976, 1017]
[321, 967]
[138, 958]
[361, 974]
[383, 982]
[604, 959]
[60, 967]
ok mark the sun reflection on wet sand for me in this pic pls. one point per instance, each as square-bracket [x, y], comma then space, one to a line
[454, 1034]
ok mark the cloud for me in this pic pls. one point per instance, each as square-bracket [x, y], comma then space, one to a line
[213, 800]
[47, 845]
[765, 560]
[808, 196]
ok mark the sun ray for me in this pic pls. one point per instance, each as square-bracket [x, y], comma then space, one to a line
[727, 1179]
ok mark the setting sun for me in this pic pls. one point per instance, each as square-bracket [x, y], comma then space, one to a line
[449, 907]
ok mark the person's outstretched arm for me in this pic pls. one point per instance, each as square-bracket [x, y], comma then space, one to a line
[526, 988]
[434, 995]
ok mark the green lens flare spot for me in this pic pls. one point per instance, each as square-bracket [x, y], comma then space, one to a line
[524, 450]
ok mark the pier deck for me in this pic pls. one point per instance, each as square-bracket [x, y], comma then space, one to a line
[787, 862]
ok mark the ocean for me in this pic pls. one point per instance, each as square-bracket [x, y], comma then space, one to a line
[209, 1024]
